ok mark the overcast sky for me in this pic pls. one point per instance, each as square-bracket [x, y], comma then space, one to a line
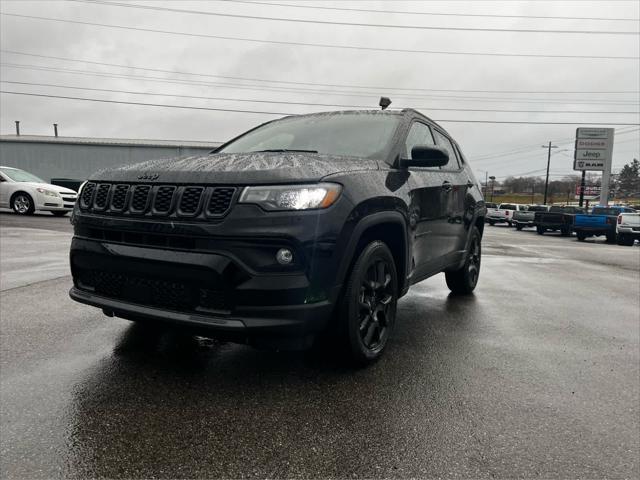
[408, 78]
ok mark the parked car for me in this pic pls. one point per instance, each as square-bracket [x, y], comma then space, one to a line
[490, 208]
[526, 217]
[628, 228]
[25, 193]
[601, 221]
[557, 218]
[504, 213]
[303, 224]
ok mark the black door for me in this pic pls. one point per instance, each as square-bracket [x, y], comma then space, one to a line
[454, 202]
[428, 194]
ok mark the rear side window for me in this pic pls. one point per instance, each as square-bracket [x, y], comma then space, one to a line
[419, 134]
[605, 211]
[507, 206]
[445, 143]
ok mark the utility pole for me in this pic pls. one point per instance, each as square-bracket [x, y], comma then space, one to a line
[546, 182]
[493, 184]
[486, 182]
[582, 185]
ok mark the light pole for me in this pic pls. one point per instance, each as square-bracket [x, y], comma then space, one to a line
[493, 184]
[546, 182]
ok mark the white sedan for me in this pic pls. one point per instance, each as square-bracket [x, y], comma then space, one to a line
[25, 193]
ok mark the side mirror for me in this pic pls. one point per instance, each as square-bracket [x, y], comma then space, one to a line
[426, 156]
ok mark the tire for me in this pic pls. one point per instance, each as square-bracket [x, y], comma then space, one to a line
[464, 280]
[22, 203]
[510, 224]
[59, 214]
[565, 232]
[581, 236]
[368, 306]
[492, 223]
[611, 237]
[624, 240]
[518, 227]
[540, 230]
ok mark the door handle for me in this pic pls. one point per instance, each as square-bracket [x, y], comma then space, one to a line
[446, 186]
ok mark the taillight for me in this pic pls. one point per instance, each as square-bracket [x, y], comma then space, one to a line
[506, 213]
[619, 219]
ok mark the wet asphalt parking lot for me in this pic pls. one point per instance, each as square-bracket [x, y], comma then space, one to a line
[536, 375]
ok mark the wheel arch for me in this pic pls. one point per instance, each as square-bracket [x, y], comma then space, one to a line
[389, 227]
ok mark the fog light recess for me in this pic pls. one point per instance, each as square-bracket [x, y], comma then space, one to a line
[284, 256]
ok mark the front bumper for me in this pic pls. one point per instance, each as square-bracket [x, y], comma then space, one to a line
[635, 231]
[219, 276]
[64, 203]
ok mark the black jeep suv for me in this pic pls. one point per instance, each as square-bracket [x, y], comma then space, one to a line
[298, 225]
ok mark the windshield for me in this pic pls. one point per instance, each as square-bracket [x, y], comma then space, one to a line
[18, 175]
[367, 135]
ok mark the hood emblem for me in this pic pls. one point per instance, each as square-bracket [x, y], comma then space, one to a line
[148, 176]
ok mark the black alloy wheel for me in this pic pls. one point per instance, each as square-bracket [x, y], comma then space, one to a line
[465, 279]
[369, 304]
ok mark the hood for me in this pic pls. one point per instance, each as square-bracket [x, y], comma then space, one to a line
[237, 168]
[48, 186]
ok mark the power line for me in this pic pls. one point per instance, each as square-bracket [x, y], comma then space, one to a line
[284, 102]
[306, 44]
[289, 82]
[311, 91]
[281, 113]
[348, 9]
[353, 24]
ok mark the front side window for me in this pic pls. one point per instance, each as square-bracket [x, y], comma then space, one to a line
[18, 175]
[419, 134]
[445, 143]
[352, 134]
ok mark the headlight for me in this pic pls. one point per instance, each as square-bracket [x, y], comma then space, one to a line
[48, 193]
[292, 197]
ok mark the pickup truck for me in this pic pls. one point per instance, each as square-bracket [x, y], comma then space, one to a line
[557, 218]
[628, 228]
[503, 214]
[526, 217]
[601, 221]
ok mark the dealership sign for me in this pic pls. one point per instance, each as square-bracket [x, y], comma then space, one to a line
[591, 192]
[594, 148]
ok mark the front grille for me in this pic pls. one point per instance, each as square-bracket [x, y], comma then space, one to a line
[170, 294]
[140, 197]
[102, 196]
[172, 201]
[190, 200]
[220, 200]
[119, 197]
[86, 197]
[162, 203]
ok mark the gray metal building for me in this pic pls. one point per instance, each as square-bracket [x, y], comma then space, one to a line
[78, 157]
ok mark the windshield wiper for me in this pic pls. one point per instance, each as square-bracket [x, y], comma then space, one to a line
[285, 150]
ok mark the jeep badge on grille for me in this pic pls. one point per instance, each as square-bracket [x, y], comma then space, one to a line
[149, 176]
